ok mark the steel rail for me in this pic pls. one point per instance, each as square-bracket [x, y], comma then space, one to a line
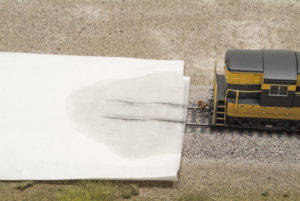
[196, 124]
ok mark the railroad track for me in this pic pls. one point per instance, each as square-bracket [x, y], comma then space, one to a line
[197, 117]
[198, 123]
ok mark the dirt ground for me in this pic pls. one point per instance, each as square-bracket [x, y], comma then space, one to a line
[223, 180]
[197, 31]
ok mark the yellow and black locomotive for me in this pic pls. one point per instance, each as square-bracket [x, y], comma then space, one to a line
[260, 89]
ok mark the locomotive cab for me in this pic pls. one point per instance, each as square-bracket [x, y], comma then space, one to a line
[280, 78]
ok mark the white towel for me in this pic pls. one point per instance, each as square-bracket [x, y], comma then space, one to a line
[81, 117]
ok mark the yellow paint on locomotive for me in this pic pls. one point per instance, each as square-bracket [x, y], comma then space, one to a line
[257, 111]
[215, 99]
[248, 78]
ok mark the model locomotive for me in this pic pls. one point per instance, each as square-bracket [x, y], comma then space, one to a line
[260, 89]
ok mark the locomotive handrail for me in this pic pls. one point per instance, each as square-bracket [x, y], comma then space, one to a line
[215, 93]
[236, 98]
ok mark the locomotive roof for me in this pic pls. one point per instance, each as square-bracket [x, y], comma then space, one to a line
[244, 60]
[278, 66]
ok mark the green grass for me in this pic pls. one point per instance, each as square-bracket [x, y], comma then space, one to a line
[97, 191]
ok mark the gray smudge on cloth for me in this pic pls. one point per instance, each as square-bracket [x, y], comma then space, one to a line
[131, 115]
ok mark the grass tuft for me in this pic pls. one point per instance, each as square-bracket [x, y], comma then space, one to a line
[130, 191]
[286, 195]
[23, 185]
[97, 191]
[265, 194]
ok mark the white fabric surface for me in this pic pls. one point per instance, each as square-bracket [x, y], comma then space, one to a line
[80, 117]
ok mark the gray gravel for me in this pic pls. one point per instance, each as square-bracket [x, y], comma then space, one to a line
[232, 145]
[204, 143]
